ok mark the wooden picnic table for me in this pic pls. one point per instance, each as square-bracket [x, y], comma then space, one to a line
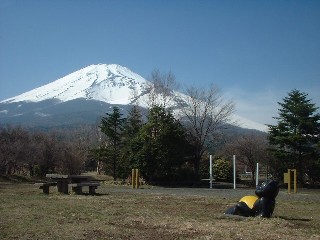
[75, 181]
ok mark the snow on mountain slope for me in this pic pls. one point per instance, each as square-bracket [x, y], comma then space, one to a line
[108, 83]
[246, 123]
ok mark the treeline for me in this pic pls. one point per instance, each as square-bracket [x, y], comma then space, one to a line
[37, 153]
[160, 146]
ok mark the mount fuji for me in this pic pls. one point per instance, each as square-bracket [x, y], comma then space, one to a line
[82, 97]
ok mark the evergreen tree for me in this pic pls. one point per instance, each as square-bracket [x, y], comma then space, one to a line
[133, 124]
[296, 134]
[132, 127]
[112, 126]
[160, 148]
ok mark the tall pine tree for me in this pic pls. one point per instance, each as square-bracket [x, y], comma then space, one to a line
[134, 123]
[132, 127]
[293, 140]
[112, 126]
[160, 148]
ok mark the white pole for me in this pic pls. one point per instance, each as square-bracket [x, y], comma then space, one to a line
[210, 171]
[257, 175]
[234, 171]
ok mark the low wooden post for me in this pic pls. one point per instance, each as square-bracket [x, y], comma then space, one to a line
[135, 178]
[287, 179]
[294, 180]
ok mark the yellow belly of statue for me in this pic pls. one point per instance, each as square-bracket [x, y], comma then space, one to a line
[249, 200]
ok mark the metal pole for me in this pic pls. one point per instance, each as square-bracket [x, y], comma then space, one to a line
[234, 171]
[257, 175]
[210, 171]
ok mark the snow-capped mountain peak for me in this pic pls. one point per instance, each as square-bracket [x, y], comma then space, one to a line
[93, 82]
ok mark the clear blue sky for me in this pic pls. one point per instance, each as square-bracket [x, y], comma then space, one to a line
[255, 51]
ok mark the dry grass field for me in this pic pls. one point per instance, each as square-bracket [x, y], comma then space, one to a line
[118, 212]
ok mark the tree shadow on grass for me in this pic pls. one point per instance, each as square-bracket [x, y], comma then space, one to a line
[294, 219]
[96, 194]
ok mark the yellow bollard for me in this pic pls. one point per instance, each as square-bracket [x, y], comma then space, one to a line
[294, 180]
[135, 178]
[287, 179]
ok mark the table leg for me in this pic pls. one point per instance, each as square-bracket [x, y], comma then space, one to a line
[63, 186]
[92, 190]
[45, 189]
[77, 190]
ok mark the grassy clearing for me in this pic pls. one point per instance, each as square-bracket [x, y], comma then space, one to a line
[122, 213]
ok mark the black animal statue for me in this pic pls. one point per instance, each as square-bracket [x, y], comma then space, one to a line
[261, 205]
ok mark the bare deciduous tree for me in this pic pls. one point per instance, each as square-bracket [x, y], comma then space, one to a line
[161, 89]
[13, 148]
[250, 150]
[203, 112]
[37, 153]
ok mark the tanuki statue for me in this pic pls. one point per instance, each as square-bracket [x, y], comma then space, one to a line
[261, 205]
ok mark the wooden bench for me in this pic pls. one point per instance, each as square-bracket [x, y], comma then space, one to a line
[77, 187]
[45, 186]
